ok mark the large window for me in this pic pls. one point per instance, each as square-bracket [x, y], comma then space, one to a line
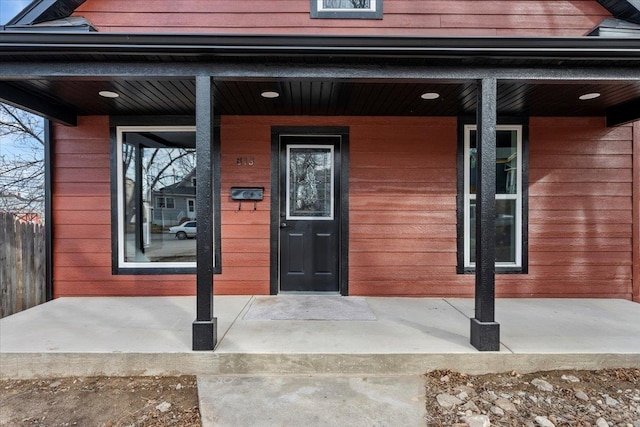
[156, 197]
[348, 9]
[509, 198]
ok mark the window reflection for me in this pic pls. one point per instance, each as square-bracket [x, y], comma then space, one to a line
[310, 182]
[506, 162]
[346, 4]
[505, 231]
[158, 193]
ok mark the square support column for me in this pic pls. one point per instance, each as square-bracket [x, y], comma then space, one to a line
[485, 332]
[205, 334]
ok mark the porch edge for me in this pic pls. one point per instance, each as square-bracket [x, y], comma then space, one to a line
[37, 365]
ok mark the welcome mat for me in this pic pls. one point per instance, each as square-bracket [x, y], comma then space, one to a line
[309, 307]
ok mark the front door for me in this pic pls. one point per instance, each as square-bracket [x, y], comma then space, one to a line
[309, 238]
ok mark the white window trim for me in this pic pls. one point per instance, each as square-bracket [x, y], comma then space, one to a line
[371, 8]
[318, 11]
[469, 197]
[288, 183]
[120, 130]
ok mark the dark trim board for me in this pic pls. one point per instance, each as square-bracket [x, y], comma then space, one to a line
[626, 112]
[114, 122]
[31, 45]
[343, 132]
[48, 208]
[45, 10]
[623, 9]
[38, 105]
[366, 72]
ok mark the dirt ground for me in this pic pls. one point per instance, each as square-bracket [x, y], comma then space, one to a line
[542, 399]
[100, 401]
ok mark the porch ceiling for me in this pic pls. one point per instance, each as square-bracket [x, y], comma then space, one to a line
[325, 97]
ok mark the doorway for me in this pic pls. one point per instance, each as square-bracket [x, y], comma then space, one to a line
[310, 211]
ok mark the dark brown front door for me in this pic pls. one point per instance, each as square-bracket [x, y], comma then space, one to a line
[309, 239]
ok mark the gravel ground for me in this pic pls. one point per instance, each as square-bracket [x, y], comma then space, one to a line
[542, 399]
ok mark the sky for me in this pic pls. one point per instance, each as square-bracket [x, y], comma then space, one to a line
[10, 8]
[9, 147]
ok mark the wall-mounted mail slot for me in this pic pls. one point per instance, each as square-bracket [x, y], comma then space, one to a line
[247, 193]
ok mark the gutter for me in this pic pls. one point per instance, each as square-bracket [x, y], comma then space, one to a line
[208, 46]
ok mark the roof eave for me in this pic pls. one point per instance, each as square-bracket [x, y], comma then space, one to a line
[115, 44]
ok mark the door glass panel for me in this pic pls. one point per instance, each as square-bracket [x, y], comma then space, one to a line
[310, 182]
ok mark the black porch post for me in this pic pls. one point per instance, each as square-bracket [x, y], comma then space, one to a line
[205, 325]
[485, 332]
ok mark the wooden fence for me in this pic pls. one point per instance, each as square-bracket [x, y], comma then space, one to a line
[22, 265]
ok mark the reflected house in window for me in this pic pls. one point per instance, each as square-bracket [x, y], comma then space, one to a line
[175, 203]
[348, 9]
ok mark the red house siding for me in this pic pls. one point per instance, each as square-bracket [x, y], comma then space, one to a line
[245, 234]
[402, 199]
[81, 199]
[401, 17]
[402, 217]
[580, 213]
[403, 208]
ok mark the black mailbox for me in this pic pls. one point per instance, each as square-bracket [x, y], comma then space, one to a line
[247, 193]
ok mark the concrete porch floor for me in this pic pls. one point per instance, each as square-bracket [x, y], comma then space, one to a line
[128, 336]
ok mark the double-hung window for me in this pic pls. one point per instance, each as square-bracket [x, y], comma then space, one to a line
[510, 200]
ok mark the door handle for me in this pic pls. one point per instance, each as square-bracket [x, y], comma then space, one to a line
[283, 225]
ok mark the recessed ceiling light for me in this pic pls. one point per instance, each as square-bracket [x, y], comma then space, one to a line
[108, 94]
[270, 94]
[430, 95]
[587, 96]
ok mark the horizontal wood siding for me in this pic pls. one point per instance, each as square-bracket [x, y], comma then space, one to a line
[401, 17]
[81, 202]
[580, 204]
[403, 208]
[245, 233]
[402, 219]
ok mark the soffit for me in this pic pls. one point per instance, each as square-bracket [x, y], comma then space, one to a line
[328, 97]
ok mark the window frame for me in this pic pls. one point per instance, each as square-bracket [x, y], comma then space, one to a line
[318, 12]
[165, 204]
[464, 265]
[288, 214]
[119, 125]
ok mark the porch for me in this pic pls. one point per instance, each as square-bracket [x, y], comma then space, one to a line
[126, 336]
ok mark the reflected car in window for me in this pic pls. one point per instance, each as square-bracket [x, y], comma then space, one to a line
[184, 231]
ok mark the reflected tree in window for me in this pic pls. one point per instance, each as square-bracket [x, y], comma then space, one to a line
[157, 187]
[310, 182]
[346, 4]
